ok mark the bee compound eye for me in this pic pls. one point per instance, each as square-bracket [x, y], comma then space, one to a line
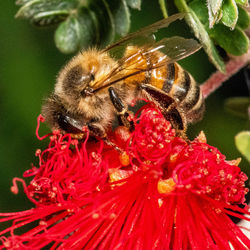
[74, 76]
[77, 76]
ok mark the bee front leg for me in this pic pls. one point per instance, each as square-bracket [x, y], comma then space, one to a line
[95, 130]
[122, 111]
[99, 131]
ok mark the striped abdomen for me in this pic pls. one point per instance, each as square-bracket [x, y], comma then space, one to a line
[169, 77]
[180, 85]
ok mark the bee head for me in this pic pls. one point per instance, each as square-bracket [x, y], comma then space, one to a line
[78, 78]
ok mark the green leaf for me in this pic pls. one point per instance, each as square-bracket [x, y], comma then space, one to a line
[214, 12]
[50, 17]
[87, 27]
[229, 13]
[76, 32]
[195, 10]
[163, 8]
[235, 42]
[28, 10]
[67, 36]
[200, 9]
[238, 106]
[242, 141]
[215, 5]
[44, 12]
[242, 2]
[121, 14]
[244, 18]
[105, 24]
[134, 4]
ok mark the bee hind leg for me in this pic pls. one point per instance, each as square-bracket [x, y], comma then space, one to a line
[168, 108]
[177, 119]
[122, 111]
[156, 95]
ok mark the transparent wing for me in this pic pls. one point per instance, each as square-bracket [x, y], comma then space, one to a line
[173, 49]
[140, 37]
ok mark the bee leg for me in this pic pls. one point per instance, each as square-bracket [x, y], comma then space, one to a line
[69, 124]
[113, 145]
[157, 95]
[122, 111]
[96, 130]
[168, 108]
[177, 119]
[99, 131]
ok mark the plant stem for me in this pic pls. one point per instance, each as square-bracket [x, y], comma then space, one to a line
[163, 8]
[217, 78]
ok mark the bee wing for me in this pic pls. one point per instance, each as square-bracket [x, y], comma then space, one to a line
[173, 48]
[140, 37]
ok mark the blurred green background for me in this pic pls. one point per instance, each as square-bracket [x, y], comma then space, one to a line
[28, 67]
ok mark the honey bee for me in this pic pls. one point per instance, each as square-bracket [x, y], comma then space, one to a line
[96, 85]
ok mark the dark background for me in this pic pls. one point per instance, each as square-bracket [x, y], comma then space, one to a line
[28, 67]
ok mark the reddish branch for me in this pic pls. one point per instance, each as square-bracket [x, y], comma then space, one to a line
[217, 78]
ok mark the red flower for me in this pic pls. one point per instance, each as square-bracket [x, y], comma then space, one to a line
[161, 192]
